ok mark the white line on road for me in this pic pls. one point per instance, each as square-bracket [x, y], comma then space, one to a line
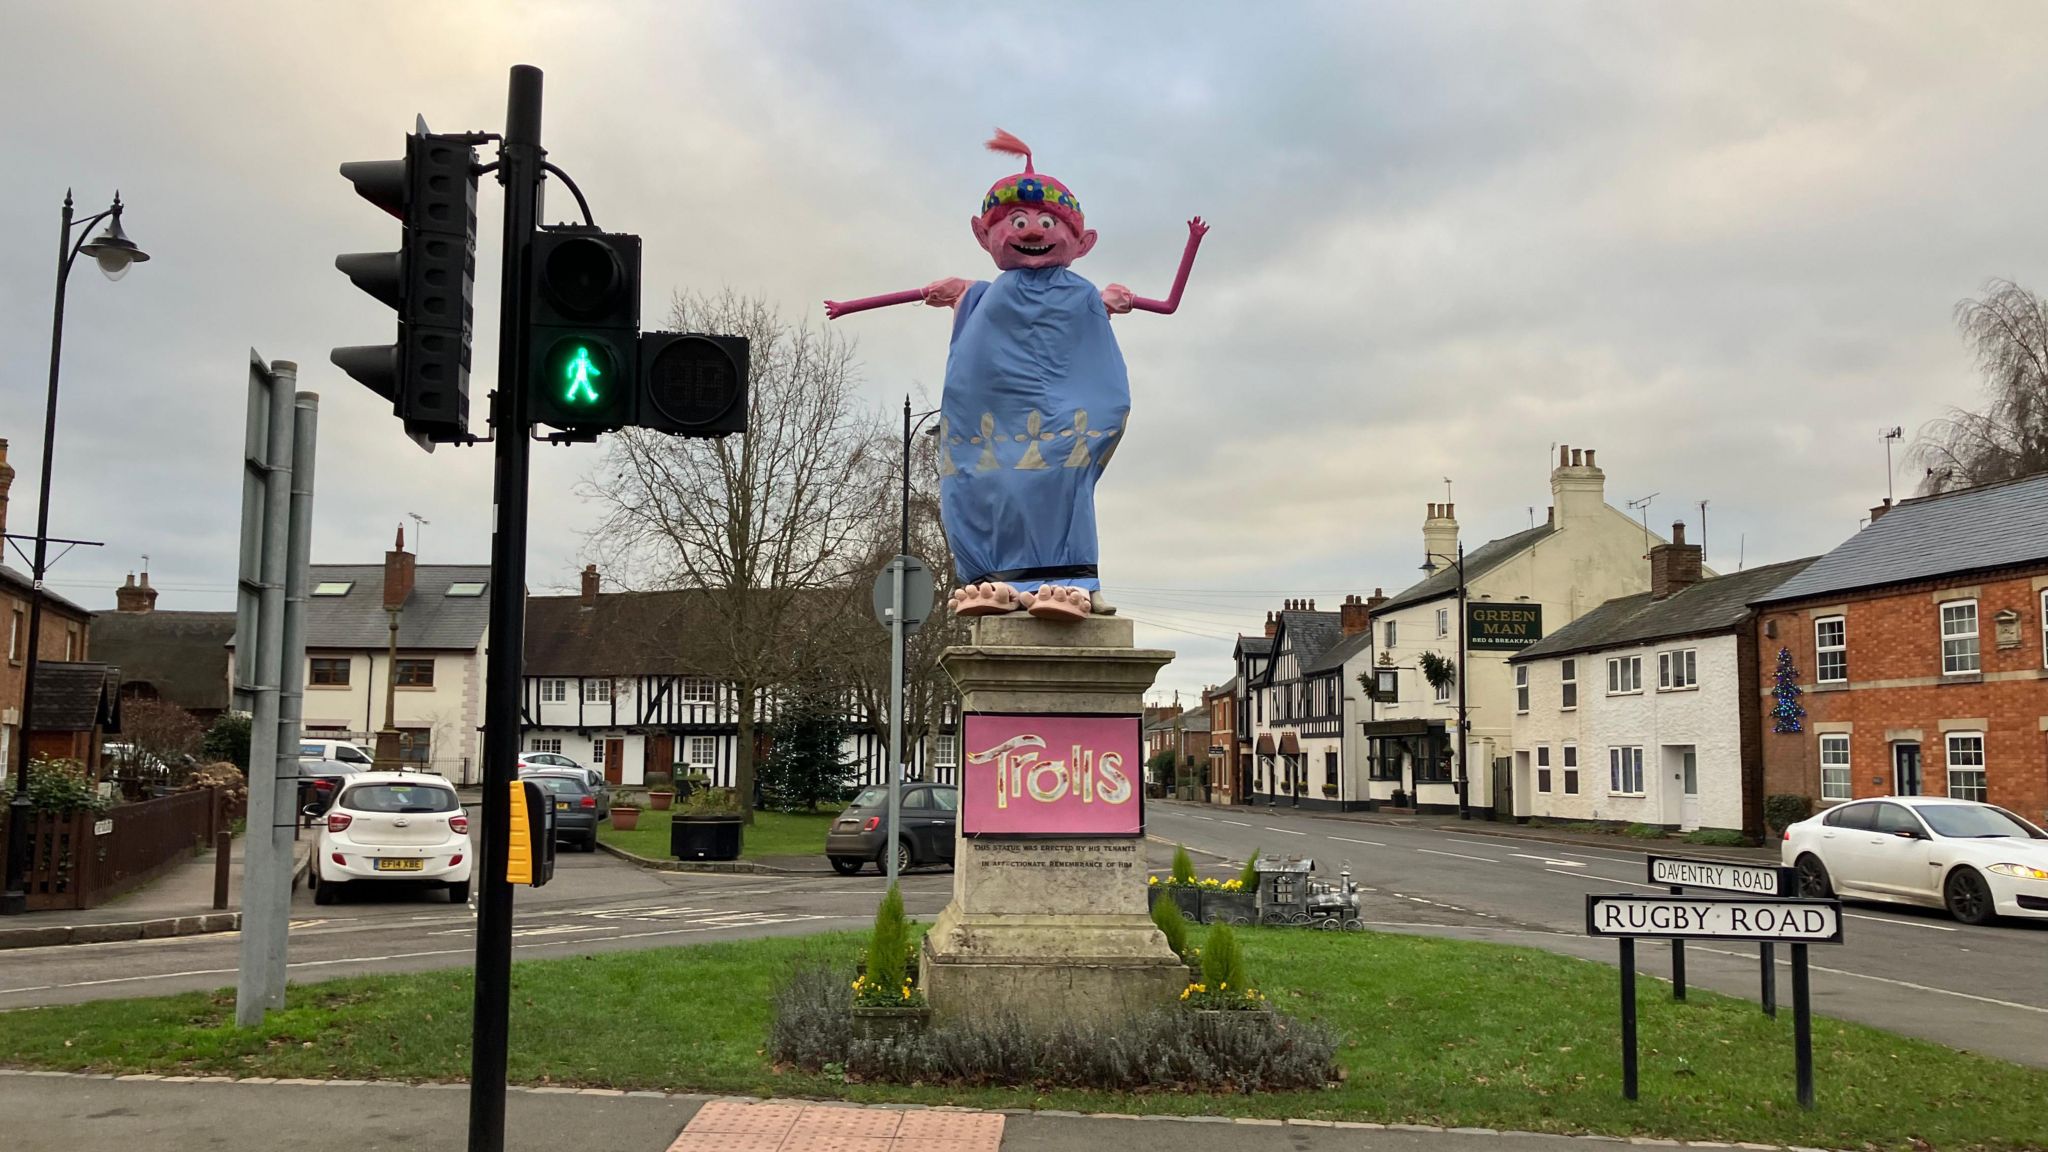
[1289, 831]
[1592, 876]
[1210, 819]
[1548, 860]
[1889, 980]
[1904, 923]
[1474, 843]
[1459, 855]
[1348, 840]
[1239, 823]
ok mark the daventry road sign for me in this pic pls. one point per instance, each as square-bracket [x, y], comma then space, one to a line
[1715, 917]
[1752, 879]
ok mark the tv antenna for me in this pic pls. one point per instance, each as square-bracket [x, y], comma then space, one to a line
[1703, 529]
[419, 523]
[1643, 506]
[1888, 435]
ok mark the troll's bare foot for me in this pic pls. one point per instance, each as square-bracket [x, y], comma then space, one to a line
[987, 599]
[1099, 605]
[1053, 602]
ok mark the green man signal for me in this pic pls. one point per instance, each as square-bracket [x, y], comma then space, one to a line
[580, 372]
[583, 298]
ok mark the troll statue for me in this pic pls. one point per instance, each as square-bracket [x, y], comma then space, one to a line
[1035, 401]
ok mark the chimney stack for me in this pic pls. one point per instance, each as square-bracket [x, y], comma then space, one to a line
[1875, 512]
[1440, 535]
[1674, 566]
[1272, 625]
[590, 585]
[6, 482]
[1352, 616]
[133, 597]
[1378, 597]
[398, 574]
[1578, 488]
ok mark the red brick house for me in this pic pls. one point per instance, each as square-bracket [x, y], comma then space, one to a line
[1921, 650]
[1222, 751]
[65, 637]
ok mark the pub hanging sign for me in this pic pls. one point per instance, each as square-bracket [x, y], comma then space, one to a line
[1491, 627]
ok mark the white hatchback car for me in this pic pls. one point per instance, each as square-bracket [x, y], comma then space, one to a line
[393, 826]
[1977, 860]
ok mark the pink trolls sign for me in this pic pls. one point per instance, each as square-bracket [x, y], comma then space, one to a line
[1052, 776]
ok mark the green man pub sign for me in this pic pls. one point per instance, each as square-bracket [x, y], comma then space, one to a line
[1502, 627]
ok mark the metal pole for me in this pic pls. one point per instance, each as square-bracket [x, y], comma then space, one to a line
[519, 173]
[1464, 740]
[1802, 1028]
[257, 988]
[905, 548]
[1770, 979]
[1628, 1017]
[890, 848]
[1677, 958]
[291, 685]
[15, 899]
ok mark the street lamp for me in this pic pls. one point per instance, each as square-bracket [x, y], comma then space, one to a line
[1429, 565]
[896, 655]
[114, 253]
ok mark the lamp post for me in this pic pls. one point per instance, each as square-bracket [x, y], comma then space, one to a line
[1429, 560]
[896, 655]
[114, 253]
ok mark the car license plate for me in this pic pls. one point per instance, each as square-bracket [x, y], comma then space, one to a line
[561, 805]
[401, 864]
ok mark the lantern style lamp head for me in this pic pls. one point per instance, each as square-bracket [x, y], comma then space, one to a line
[113, 250]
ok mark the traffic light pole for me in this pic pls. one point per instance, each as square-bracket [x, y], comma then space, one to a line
[519, 173]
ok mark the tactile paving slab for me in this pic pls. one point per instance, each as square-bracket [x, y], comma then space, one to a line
[732, 1126]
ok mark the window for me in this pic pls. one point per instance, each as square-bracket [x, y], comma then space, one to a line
[415, 673]
[1677, 670]
[1625, 771]
[1443, 622]
[1443, 692]
[1543, 767]
[1522, 688]
[703, 751]
[1958, 637]
[946, 751]
[1624, 675]
[466, 588]
[597, 751]
[70, 644]
[554, 691]
[1831, 650]
[1834, 767]
[1966, 764]
[1568, 685]
[1390, 635]
[548, 744]
[14, 638]
[945, 799]
[598, 691]
[416, 746]
[1571, 769]
[333, 587]
[1893, 819]
[699, 690]
[329, 671]
[1329, 769]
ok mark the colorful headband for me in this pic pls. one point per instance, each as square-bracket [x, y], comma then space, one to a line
[1028, 187]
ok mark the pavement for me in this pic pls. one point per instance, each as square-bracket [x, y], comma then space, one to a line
[177, 903]
[74, 1112]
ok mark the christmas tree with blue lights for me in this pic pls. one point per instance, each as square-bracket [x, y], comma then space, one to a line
[1787, 713]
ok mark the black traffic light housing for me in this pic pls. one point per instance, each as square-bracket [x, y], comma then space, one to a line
[692, 384]
[583, 330]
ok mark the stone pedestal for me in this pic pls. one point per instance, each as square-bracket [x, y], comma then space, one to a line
[1049, 927]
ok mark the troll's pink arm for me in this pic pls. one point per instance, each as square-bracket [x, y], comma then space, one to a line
[1196, 230]
[834, 309]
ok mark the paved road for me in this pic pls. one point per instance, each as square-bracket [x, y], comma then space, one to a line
[1983, 989]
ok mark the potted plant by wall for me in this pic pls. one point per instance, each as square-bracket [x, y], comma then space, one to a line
[1330, 791]
[660, 791]
[1233, 901]
[1223, 995]
[886, 999]
[626, 811]
[707, 826]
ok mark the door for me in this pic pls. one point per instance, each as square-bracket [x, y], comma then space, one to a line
[1899, 855]
[1848, 846]
[1905, 769]
[1689, 805]
[615, 761]
[918, 818]
[946, 822]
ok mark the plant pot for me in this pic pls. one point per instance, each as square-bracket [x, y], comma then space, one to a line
[887, 1023]
[659, 801]
[705, 837]
[1190, 901]
[625, 819]
[1229, 907]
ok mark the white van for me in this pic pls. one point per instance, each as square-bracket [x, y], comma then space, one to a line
[340, 750]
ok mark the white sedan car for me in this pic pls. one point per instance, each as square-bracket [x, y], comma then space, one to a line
[388, 826]
[1978, 861]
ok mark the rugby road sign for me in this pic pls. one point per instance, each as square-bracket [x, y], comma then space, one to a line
[1715, 917]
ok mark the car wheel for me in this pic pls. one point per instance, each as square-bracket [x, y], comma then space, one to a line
[847, 865]
[590, 845]
[326, 893]
[905, 858]
[1968, 897]
[458, 893]
[1813, 878]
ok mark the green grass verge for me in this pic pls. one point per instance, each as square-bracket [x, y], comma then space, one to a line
[1436, 1032]
[771, 834]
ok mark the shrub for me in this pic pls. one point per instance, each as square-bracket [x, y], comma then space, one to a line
[1183, 867]
[1167, 915]
[1645, 831]
[58, 786]
[1248, 879]
[1786, 809]
[228, 739]
[1223, 963]
[710, 802]
[1717, 837]
[887, 982]
[226, 777]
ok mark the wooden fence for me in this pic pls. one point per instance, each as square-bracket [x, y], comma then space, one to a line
[83, 859]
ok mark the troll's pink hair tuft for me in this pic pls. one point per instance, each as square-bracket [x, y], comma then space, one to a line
[1004, 142]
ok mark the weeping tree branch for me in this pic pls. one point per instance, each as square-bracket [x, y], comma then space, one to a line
[2007, 330]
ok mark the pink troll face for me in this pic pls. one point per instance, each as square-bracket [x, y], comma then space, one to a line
[1023, 238]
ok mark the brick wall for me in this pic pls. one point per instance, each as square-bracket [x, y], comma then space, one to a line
[65, 637]
[1896, 691]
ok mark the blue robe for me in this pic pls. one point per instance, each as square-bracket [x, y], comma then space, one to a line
[1036, 400]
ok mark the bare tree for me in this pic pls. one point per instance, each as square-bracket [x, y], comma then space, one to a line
[774, 525]
[158, 744]
[2007, 329]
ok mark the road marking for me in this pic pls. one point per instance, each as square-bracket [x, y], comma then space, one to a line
[1548, 860]
[1348, 840]
[1210, 819]
[1888, 980]
[1288, 831]
[1602, 859]
[1459, 855]
[1904, 923]
[1474, 843]
[1594, 876]
[1239, 823]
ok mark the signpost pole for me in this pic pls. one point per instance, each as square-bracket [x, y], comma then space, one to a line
[1628, 1017]
[890, 848]
[1769, 952]
[1802, 1028]
[1677, 959]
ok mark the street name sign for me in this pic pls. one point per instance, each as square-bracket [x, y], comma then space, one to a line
[1715, 918]
[917, 593]
[1721, 876]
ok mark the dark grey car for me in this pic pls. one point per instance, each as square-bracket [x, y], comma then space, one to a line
[929, 821]
[576, 812]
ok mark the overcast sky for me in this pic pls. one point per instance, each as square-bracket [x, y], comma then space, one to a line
[1718, 242]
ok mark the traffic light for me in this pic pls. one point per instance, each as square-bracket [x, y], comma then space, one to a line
[692, 384]
[583, 332]
[428, 281]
